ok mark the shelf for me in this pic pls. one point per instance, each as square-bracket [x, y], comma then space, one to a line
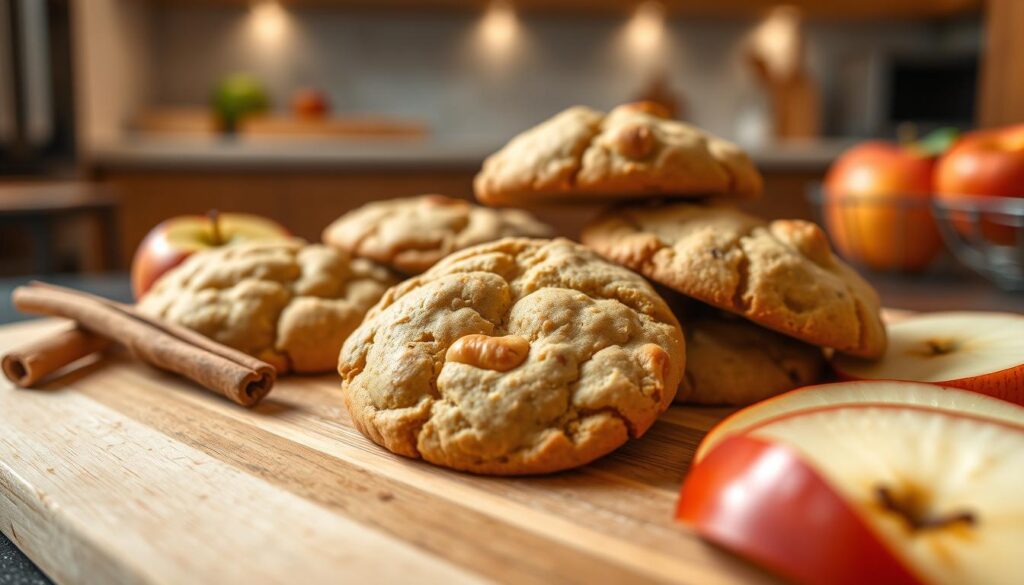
[814, 9]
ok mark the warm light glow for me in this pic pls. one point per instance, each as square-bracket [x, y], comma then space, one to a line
[268, 21]
[777, 40]
[499, 28]
[645, 31]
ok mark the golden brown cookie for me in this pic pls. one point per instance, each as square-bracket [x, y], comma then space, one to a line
[411, 234]
[513, 357]
[782, 275]
[289, 304]
[733, 362]
[632, 152]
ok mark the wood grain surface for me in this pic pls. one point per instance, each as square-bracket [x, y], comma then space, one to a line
[118, 473]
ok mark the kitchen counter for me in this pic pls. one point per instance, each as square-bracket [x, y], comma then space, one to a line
[936, 292]
[363, 154]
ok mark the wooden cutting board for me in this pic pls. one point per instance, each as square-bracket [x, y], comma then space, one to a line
[118, 473]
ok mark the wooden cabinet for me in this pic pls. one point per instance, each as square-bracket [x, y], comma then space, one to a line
[1002, 76]
[306, 201]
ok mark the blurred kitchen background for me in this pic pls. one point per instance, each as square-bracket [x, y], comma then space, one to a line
[107, 125]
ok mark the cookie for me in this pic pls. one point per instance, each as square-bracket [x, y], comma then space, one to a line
[782, 275]
[513, 357]
[289, 304]
[632, 152]
[411, 234]
[733, 362]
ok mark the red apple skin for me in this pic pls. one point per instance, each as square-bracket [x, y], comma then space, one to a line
[877, 206]
[159, 252]
[154, 256]
[762, 502]
[986, 162]
[1005, 384]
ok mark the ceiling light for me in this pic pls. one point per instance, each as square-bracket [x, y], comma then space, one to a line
[645, 30]
[499, 27]
[268, 22]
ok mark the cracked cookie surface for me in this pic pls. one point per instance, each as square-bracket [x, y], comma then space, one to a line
[632, 152]
[781, 274]
[289, 304]
[733, 362]
[513, 357]
[412, 234]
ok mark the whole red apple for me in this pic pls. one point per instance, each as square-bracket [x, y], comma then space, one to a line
[986, 162]
[173, 240]
[310, 104]
[877, 206]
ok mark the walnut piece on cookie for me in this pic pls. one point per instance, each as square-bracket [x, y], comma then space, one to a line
[782, 275]
[633, 152]
[287, 303]
[513, 357]
[411, 234]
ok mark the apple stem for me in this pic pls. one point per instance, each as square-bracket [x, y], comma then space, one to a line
[215, 235]
[906, 133]
[916, 518]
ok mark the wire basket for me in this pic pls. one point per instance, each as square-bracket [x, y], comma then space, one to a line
[906, 233]
[985, 234]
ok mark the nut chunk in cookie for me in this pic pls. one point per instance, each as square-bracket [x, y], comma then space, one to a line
[413, 233]
[287, 303]
[633, 152]
[513, 357]
[782, 275]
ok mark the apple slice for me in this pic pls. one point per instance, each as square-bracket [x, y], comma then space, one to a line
[745, 496]
[867, 493]
[914, 393]
[978, 351]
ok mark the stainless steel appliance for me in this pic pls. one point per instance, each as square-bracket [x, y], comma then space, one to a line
[36, 90]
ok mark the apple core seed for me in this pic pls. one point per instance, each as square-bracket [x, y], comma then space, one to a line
[912, 507]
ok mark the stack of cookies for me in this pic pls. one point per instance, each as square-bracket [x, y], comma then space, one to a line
[758, 300]
[519, 355]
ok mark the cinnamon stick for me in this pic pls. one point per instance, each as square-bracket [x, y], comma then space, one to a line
[33, 362]
[227, 371]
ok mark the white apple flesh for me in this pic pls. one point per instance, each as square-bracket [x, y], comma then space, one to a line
[978, 351]
[940, 489]
[912, 393]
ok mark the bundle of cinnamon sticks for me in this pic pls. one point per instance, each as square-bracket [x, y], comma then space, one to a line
[98, 322]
